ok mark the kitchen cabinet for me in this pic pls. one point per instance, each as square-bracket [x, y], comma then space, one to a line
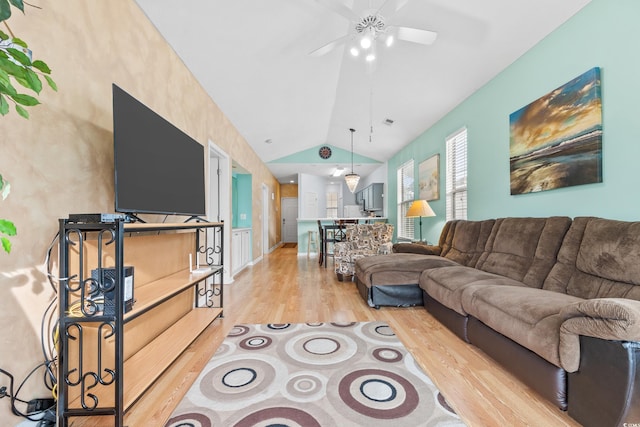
[240, 248]
[371, 197]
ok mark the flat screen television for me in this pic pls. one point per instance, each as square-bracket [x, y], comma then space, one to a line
[158, 168]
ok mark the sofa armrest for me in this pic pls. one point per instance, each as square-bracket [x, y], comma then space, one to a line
[616, 319]
[416, 248]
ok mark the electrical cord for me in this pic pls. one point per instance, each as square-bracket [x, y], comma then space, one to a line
[47, 262]
[49, 340]
[49, 336]
[14, 396]
[49, 324]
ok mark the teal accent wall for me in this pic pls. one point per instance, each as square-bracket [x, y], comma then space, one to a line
[241, 200]
[600, 35]
[338, 155]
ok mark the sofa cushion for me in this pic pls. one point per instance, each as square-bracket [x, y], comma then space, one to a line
[531, 317]
[466, 240]
[611, 250]
[524, 249]
[598, 259]
[396, 269]
[416, 248]
[461, 242]
[445, 285]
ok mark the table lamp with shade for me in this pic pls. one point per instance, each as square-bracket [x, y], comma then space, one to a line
[419, 208]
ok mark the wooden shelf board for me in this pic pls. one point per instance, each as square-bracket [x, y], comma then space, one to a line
[135, 226]
[143, 368]
[153, 293]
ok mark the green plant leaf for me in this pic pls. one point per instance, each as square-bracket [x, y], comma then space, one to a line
[4, 77]
[27, 100]
[8, 89]
[20, 42]
[24, 81]
[6, 245]
[19, 56]
[6, 188]
[40, 65]
[7, 227]
[3, 36]
[52, 84]
[10, 67]
[4, 107]
[5, 10]
[24, 113]
[18, 3]
[34, 81]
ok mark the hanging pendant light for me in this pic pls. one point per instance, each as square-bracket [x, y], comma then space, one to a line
[352, 178]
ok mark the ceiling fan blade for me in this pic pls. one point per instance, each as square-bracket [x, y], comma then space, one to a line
[390, 7]
[340, 8]
[417, 36]
[329, 46]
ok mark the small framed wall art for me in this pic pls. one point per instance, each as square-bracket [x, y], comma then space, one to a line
[429, 178]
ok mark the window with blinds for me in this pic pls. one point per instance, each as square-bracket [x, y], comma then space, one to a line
[332, 205]
[405, 198]
[457, 175]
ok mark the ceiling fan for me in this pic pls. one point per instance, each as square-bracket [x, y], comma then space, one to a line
[367, 30]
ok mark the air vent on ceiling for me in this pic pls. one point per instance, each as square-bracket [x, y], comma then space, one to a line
[388, 122]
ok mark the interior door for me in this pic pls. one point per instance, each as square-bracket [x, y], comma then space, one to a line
[289, 219]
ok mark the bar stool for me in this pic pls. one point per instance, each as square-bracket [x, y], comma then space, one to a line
[312, 239]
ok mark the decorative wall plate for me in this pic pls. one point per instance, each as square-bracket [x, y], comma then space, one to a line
[324, 152]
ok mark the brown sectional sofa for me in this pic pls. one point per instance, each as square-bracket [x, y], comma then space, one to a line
[393, 279]
[554, 300]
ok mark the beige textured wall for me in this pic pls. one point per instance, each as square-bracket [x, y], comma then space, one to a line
[60, 161]
[289, 190]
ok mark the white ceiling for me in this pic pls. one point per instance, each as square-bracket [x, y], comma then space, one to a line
[251, 56]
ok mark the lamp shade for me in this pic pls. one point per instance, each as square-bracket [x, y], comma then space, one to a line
[419, 208]
[352, 178]
[352, 181]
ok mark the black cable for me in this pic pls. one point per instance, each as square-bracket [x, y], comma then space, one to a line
[48, 263]
[46, 339]
[14, 396]
[48, 357]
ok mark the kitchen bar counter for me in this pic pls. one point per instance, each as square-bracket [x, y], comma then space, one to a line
[311, 224]
[360, 219]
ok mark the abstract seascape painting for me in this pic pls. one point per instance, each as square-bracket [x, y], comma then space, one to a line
[556, 141]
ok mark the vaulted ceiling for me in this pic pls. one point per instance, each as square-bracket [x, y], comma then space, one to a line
[252, 57]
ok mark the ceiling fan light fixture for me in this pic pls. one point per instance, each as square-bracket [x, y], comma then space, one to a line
[370, 57]
[365, 42]
[354, 51]
[389, 41]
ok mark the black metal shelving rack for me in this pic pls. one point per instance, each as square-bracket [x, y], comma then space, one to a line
[78, 311]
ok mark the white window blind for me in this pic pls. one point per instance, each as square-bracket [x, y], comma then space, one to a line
[405, 198]
[332, 205]
[457, 175]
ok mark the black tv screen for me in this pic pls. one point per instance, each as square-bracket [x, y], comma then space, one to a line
[158, 168]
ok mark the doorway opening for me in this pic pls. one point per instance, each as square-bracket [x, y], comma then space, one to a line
[219, 209]
[289, 219]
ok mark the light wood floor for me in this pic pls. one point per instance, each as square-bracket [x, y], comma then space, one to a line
[284, 288]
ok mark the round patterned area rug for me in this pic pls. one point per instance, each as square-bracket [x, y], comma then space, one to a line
[313, 374]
